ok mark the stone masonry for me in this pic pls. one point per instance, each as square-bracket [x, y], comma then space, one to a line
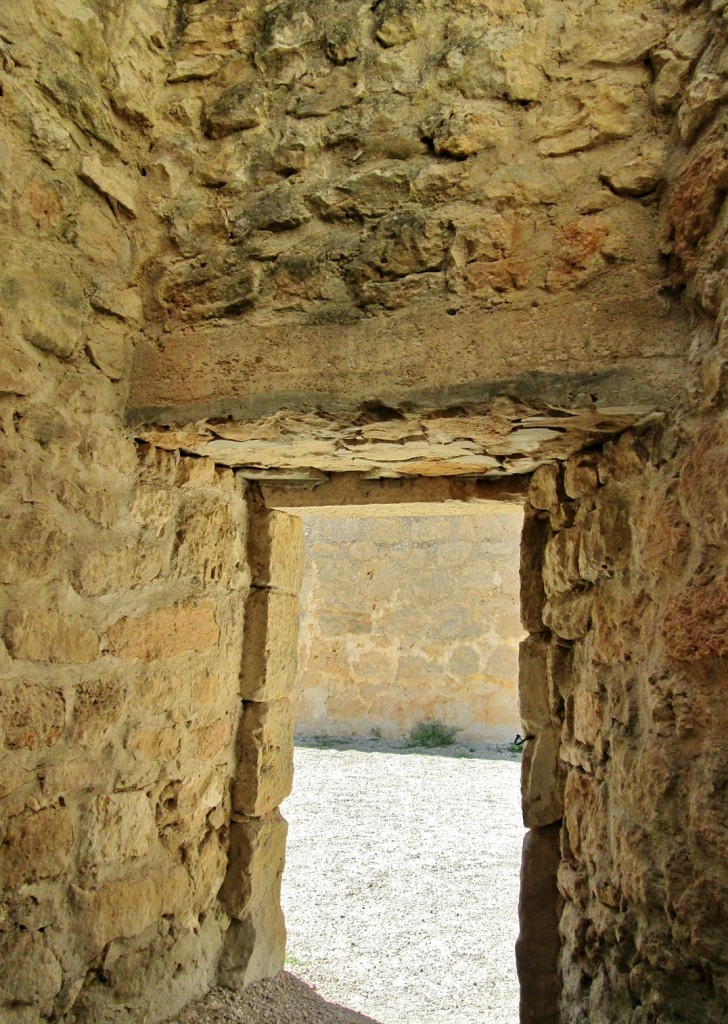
[389, 638]
[348, 248]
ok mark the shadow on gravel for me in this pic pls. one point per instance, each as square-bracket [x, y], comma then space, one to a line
[463, 751]
[282, 1000]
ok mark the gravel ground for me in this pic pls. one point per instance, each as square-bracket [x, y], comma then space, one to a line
[400, 890]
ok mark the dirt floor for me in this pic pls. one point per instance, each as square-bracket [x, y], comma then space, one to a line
[400, 890]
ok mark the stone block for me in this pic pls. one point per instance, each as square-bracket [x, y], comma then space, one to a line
[276, 552]
[39, 635]
[115, 183]
[533, 542]
[212, 740]
[569, 615]
[98, 704]
[256, 859]
[264, 750]
[580, 476]
[30, 976]
[128, 906]
[539, 944]
[533, 687]
[120, 829]
[254, 948]
[209, 541]
[270, 644]
[542, 783]
[545, 488]
[589, 711]
[31, 715]
[165, 633]
[35, 846]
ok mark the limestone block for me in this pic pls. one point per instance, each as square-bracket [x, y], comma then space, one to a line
[256, 859]
[561, 569]
[19, 371]
[31, 715]
[276, 553]
[237, 108]
[589, 711]
[185, 804]
[580, 476]
[569, 615]
[35, 846]
[38, 635]
[98, 703]
[128, 906]
[542, 779]
[606, 539]
[50, 331]
[115, 183]
[209, 542]
[109, 348]
[533, 542]
[164, 633]
[270, 644]
[211, 741]
[121, 829]
[544, 490]
[539, 945]
[254, 948]
[30, 976]
[264, 770]
[533, 685]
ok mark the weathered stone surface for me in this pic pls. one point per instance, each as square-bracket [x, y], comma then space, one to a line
[387, 641]
[37, 635]
[276, 552]
[264, 769]
[163, 633]
[538, 945]
[270, 642]
[31, 715]
[257, 855]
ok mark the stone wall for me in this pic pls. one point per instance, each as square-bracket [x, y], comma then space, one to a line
[623, 674]
[339, 180]
[407, 618]
[123, 571]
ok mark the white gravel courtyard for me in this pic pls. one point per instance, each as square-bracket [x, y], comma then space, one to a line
[401, 883]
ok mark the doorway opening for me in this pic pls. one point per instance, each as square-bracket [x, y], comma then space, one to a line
[402, 877]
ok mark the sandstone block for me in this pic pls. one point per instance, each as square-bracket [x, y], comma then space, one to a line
[269, 645]
[31, 715]
[533, 686]
[128, 906]
[589, 711]
[121, 829]
[30, 976]
[115, 183]
[98, 704]
[264, 770]
[35, 846]
[109, 348]
[209, 542]
[569, 615]
[237, 108]
[212, 740]
[545, 485]
[254, 948]
[542, 781]
[39, 635]
[164, 633]
[539, 945]
[256, 859]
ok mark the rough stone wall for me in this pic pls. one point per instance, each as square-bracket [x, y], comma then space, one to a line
[623, 676]
[122, 572]
[420, 621]
[337, 178]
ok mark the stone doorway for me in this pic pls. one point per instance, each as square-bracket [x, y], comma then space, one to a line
[266, 742]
